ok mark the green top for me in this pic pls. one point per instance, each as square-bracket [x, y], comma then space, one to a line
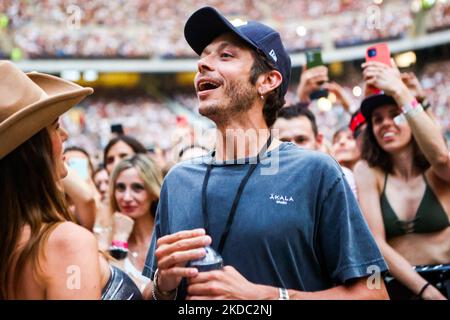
[430, 216]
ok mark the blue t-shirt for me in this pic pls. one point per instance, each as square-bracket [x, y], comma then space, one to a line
[297, 225]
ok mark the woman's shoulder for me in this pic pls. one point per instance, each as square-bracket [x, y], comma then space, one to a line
[68, 237]
[363, 172]
[362, 166]
[72, 262]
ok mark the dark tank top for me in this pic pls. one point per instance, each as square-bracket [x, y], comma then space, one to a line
[430, 216]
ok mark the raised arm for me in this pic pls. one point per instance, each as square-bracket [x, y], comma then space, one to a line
[83, 198]
[427, 134]
[310, 81]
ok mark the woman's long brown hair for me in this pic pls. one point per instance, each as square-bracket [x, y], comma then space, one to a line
[377, 157]
[29, 197]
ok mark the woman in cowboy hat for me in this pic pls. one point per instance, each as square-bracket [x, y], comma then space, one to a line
[43, 254]
[404, 181]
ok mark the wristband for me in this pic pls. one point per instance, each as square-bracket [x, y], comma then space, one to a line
[119, 244]
[413, 112]
[425, 104]
[156, 291]
[410, 106]
[423, 290]
[284, 295]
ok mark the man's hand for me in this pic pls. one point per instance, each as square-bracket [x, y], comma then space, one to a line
[310, 81]
[226, 284]
[174, 251]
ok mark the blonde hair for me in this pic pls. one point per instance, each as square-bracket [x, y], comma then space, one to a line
[147, 170]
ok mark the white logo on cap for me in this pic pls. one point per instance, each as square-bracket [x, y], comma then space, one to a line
[238, 22]
[273, 55]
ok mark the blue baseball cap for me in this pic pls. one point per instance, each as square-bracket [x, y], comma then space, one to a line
[206, 24]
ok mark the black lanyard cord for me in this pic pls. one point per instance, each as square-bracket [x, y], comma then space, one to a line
[239, 192]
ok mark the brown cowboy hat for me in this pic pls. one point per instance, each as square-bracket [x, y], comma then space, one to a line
[30, 102]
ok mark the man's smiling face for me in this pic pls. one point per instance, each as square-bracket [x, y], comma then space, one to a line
[223, 82]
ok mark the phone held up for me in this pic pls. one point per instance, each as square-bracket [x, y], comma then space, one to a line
[117, 129]
[314, 59]
[81, 167]
[379, 52]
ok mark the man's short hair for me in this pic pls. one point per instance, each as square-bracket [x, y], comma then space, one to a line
[298, 110]
[274, 99]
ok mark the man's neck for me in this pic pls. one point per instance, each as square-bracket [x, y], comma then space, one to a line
[242, 136]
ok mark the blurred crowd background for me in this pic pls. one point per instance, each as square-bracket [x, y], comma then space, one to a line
[155, 107]
[154, 28]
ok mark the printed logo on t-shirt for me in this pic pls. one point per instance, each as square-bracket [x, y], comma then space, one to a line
[281, 199]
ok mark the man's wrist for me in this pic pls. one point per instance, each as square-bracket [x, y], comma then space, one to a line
[159, 294]
[283, 294]
[264, 292]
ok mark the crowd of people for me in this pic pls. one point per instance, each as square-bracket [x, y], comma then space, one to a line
[435, 82]
[144, 117]
[389, 23]
[156, 125]
[440, 16]
[372, 202]
[144, 28]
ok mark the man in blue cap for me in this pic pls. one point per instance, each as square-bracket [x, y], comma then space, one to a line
[283, 219]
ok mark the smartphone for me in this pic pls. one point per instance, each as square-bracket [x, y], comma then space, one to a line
[117, 129]
[80, 165]
[379, 52]
[314, 59]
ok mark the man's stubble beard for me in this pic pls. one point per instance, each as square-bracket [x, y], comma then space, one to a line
[239, 98]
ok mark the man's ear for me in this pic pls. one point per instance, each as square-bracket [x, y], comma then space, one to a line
[269, 81]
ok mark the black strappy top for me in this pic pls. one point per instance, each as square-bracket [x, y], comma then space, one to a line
[430, 216]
